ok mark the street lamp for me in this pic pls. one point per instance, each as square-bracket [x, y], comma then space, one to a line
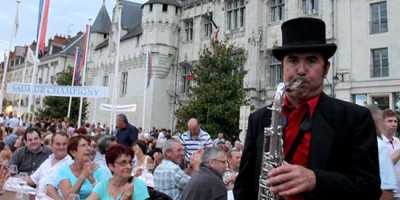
[337, 78]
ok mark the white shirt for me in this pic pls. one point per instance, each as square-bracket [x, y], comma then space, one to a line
[386, 167]
[41, 176]
[393, 146]
[161, 135]
[13, 122]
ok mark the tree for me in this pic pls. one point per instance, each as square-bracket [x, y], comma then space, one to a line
[218, 93]
[57, 107]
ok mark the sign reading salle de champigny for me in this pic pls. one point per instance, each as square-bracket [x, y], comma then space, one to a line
[57, 90]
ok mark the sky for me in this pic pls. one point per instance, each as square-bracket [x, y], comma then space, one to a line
[66, 17]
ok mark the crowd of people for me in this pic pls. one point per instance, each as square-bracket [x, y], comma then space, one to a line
[62, 160]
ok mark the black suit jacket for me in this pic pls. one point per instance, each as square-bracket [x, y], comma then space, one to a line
[343, 152]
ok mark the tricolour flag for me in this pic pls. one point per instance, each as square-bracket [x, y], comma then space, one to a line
[78, 57]
[31, 58]
[82, 56]
[149, 68]
[42, 25]
[189, 74]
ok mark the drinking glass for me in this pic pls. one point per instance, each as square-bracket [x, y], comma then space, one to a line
[22, 195]
[23, 178]
[226, 177]
[73, 197]
[13, 170]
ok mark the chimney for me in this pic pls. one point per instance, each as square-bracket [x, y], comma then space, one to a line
[60, 40]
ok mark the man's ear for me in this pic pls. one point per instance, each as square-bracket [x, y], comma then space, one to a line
[326, 69]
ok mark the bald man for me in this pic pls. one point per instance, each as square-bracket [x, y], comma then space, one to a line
[194, 139]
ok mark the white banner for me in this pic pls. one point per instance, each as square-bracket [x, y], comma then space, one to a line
[120, 108]
[57, 90]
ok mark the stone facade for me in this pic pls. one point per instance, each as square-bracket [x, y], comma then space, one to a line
[255, 27]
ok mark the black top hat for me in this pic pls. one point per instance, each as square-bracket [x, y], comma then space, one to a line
[304, 34]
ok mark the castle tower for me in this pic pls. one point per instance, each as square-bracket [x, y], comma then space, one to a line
[101, 26]
[160, 24]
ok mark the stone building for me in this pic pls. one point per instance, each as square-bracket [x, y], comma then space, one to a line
[364, 69]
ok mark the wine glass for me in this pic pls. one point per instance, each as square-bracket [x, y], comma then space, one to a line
[226, 177]
[13, 170]
[73, 197]
[23, 178]
[22, 195]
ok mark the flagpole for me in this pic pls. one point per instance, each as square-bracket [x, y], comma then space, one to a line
[72, 83]
[145, 88]
[84, 70]
[97, 84]
[34, 72]
[23, 80]
[116, 69]
[8, 57]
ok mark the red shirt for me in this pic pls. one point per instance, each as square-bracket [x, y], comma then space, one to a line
[294, 117]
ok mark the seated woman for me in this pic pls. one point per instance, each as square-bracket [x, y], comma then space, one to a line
[142, 160]
[119, 186]
[82, 175]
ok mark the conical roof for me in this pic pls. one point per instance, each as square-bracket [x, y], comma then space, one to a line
[102, 23]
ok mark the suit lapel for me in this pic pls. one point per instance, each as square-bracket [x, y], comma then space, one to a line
[322, 134]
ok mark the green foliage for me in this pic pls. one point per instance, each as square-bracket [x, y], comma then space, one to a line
[57, 107]
[218, 91]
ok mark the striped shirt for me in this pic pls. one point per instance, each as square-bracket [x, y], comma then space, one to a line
[193, 144]
[170, 179]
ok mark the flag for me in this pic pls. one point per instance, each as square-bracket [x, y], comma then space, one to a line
[189, 75]
[42, 25]
[116, 27]
[31, 58]
[81, 63]
[78, 57]
[216, 33]
[16, 21]
[101, 67]
[149, 67]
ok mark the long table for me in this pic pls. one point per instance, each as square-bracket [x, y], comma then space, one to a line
[10, 195]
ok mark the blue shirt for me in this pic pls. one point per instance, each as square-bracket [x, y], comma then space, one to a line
[140, 190]
[86, 188]
[127, 136]
[170, 179]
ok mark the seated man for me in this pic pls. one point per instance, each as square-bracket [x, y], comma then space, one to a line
[32, 155]
[234, 157]
[207, 182]
[169, 178]
[50, 166]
